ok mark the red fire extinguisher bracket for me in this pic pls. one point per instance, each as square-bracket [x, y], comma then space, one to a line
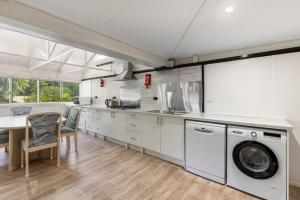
[101, 83]
[147, 81]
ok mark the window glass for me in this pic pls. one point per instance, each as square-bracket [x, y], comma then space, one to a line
[24, 91]
[70, 90]
[4, 90]
[49, 91]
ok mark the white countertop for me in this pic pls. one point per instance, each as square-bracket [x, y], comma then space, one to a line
[224, 119]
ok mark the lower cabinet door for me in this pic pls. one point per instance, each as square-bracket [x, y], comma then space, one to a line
[151, 132]
[134, 138]
[119, 126]
[107, 125]
[172, 137]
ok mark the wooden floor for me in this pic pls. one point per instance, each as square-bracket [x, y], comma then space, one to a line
[103, 170]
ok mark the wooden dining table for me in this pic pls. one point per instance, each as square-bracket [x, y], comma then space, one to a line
[17, 126]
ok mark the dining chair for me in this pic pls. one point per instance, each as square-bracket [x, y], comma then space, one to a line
[71, 127]
[65, 114]
[45, 135]
[18, 110]
[4, 139]
[21, 110]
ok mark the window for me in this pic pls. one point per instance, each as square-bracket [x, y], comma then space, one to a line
[70, 90]
[18, 90]
[24, 91]
[4, 90]
[49, 91]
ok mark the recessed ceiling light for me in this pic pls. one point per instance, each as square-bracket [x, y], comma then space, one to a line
[229, 9]
[245, 56]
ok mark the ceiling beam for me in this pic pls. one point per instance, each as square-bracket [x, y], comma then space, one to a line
[90, 60]
[52, 50]
[39, 59]
[35, 22]
[52, 59]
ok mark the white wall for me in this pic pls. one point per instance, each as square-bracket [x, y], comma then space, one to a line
[263, 87]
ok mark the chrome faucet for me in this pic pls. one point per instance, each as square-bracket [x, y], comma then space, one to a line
[171, 110]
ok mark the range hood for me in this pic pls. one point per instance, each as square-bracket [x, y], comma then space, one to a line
[127, 73]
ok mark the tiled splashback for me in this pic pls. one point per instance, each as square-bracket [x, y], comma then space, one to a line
[112, 88]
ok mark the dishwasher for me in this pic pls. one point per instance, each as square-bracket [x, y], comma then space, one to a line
[205, 150]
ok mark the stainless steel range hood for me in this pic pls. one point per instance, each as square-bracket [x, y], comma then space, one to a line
[127, 73]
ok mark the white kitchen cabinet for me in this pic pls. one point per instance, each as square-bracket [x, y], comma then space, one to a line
[172, 137]
[134, 138]
[90, 122]
[119, 126]
[98, 116]
[107, 124]
[151, 132]
[82, 119]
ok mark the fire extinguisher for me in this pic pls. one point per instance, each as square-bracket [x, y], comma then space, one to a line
[147, 80]
[101, 82]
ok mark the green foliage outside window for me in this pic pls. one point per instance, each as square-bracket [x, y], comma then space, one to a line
[49, 91]
[70, 90]
[24, 91]
[4, 90]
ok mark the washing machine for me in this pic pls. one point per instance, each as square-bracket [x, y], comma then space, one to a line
[257, 161]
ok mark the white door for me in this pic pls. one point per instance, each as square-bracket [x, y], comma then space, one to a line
[151, 133]
[172, 137]
[107, 124]
[119, 126]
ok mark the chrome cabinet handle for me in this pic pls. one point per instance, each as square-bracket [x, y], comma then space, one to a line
[133, 115]
[132, 124]
[132, 138]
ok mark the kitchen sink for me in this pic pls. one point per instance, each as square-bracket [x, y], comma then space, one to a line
[169, 113]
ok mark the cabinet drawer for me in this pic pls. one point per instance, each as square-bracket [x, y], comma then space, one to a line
[133, 124]
[134, 138]
[132, 115]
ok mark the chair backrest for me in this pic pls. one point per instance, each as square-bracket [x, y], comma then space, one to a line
[66, 111]
[73, 119]
[44, 124]
[21, 110]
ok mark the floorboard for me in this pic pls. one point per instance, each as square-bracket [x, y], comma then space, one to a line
[103, 170]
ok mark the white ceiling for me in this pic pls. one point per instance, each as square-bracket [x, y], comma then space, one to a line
[181, 28]
[23, 55]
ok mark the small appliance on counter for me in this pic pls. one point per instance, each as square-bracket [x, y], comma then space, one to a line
[112, 103]
[82, 101]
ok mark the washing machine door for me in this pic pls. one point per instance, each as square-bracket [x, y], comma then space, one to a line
[255, 159]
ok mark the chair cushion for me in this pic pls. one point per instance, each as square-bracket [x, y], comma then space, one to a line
[74, 114]
[21, 110]
[67, 130]
[66, 112]
[4, 132]
[46, 139]
[4, 138]
[63, 121]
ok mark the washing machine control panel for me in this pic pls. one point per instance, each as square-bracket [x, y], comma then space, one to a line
[247, 133]
[253, 134]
